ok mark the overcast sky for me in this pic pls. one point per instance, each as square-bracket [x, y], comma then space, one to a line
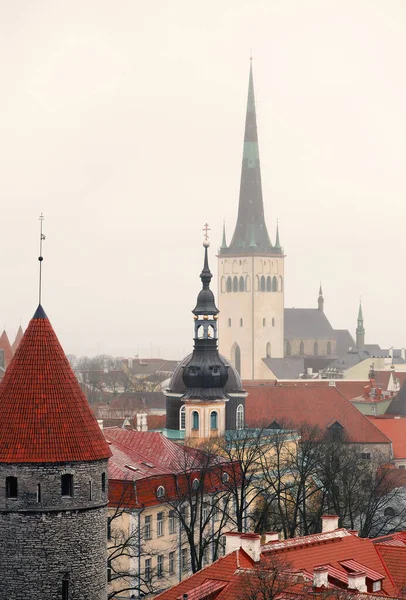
[122, 121]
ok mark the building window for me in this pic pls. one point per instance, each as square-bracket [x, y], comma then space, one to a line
[195, 420]
[160, 493]
[328, 347]
[90, 490]
[241, 322]
[223, 545]
[263, 322]
[301, 348]
[315, 349]
[241, 286]
[268, 284]
[109, 570]
[38, 493]
[147, 569]
[240, 417]
[213, 420]
[160, 524]
[262, 283]
[268, 350]
[11, 487]
[389, 512]
[205, 514]
[109, 528]
[172, 521]
[274, 284]
[236, 354]
[235, 284]
[365, 455]
[184, 562]
[65, 585]
[103, 483]
[195, 484]
[273, 322]
[288, 349]
[229, 322]
[182, 418]
[225, 478]
[67, 485]
[229, 285]
[376, 586]
[147, 528]
[160, 565]
[171, 563]
[216, 513]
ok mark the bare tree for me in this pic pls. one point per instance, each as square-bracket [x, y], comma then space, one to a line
[267, 580]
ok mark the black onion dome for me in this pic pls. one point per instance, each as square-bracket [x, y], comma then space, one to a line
[233, 385]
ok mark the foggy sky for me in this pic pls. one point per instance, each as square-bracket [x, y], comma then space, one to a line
[123, 123]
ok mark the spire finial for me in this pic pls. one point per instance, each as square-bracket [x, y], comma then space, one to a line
[206, 230]
[224, 240]
[40, 258]
[251, 54]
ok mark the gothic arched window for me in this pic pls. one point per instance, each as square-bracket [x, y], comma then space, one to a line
[262, 283]
[273, 321]
[328, 347]
[236, 357]
[288, 349]
[268, 284]
[229, 285]
[315, 349]
[240, 417]
[241, 285]
[235, 284]
[213, 419]
[274, 284]
[195, 420]
[268, 350]
[301, 348]
[182, 418]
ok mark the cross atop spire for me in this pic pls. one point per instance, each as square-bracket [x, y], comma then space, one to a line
[40, 257]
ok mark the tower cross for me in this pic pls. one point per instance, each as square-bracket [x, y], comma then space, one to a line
[40, 258]
[206, 230]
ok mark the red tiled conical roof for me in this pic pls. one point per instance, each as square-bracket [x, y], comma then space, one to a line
[18, 339]
[44, 415]
[5, 345]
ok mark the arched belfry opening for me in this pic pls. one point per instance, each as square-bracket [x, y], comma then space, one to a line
[236, 357]
[268, 350]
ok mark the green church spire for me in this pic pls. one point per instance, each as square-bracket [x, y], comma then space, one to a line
[277, 242]
[360, 332]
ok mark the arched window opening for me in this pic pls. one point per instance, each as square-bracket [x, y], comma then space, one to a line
[229, 322]
[160, 492]
[65, 583]
[195, 485]
[273, 321]
[280, 284]
[210, 331]
[213, 419]
[235, 283]
[247, 283]
[268, 284]
[241, 285]
[274, 284]
[263, 322]
[67, 484]
[182, 418]
[389, 512]
[328, 347]
[225, 478]
[256, 283]
[315, 349]
[241, 322]
[288, 349]
[236, 357]
[200, 332]
[301, 348]
[11, 487]
[229, 285]
[268, 350]
[262, 283]
[240, 417]
[223, 285]
[195, 420]
[103, 483]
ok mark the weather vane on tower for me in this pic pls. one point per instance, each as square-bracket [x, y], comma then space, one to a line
[40, 257]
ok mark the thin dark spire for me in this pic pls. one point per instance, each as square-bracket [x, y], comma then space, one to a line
[40, 258]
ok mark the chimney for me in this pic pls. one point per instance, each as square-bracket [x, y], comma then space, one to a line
[271, 536]
[100, 423]
[356, 581]
[142, 424]
[249, 542]
[329, 523]
[320, 577]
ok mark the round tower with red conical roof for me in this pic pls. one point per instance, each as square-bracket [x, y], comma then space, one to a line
[53, 477]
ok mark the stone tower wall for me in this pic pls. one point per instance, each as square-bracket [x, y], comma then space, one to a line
[43, 542]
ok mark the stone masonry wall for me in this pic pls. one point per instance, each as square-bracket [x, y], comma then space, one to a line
[41, 543]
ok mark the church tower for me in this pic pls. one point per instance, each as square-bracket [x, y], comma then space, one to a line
[320, 300]
[53, 477]
[360, 331]
[251, 271]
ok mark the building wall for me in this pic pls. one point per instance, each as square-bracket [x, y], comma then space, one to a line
[372, 408]
[308, 347]
[43, 542]
[251, 319]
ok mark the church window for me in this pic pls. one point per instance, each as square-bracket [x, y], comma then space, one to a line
[328, 347]
[67, 485]
[273, 321]
[240, 417]
[315, 349]
[301, 348]
[268, 350]
[235, 283]
[280, 284]
[103, 483]
[195, 420]
[247, 283]
[241, 285]
[262, 283]
[213, 420]
[11, 487]
[229, 322]
[236, 357]
[274, 284]
[288, 349]
[268, 284]
[65, 583]
[229, 286]
[263, 322]
[182, 418]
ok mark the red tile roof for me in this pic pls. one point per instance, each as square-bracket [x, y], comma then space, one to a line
[395, 430]
[44, 415]
[314, 405]
[18, 339]
[394, 558]
[6, 347]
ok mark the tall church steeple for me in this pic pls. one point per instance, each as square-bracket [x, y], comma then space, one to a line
[320, 300]
[360, 332]
[251, 220]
